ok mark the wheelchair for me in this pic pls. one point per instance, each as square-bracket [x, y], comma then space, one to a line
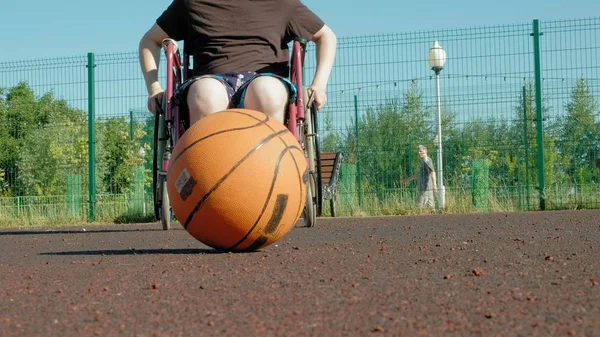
[170, 123]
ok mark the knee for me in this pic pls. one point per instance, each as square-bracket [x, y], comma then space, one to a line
[206, 96]
[267, 94]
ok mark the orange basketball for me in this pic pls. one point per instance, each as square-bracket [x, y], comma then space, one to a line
[237, 180]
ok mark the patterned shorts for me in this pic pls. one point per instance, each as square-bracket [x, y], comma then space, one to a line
[236, 85]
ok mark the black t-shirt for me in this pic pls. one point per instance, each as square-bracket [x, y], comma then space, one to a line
[239, 35]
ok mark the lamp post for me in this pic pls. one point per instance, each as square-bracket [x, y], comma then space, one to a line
[142, 154]
[437, 59]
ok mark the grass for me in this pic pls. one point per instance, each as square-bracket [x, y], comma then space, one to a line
[56, 211]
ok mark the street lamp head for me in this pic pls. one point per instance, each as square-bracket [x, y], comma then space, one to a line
[436, 57]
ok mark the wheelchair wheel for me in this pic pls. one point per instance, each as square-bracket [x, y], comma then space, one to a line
[311, 210]
[162, 206]
[318, 176]
[156, 169]
[166, 212]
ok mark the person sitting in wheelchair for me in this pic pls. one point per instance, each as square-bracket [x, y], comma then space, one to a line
[240, 54]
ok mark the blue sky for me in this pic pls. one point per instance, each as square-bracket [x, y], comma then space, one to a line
[46, 29]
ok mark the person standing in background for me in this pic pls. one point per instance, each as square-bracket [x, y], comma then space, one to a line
[426, 180]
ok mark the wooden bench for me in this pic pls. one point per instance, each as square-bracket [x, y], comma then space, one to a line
[330, 170]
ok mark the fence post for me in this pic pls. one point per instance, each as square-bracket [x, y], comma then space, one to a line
[92, 135]
[526, 114]
[358, 171]
[538, 107]
[131, 124]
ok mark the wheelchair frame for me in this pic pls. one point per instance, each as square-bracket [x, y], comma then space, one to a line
[301, 121]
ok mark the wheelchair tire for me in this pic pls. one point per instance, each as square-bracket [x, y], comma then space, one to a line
[314, 130]
[312, 197]
[166, 212]
[156, 158]
[310, 210]
[162, 205]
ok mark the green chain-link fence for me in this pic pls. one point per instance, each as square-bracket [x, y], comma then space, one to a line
[519, 106]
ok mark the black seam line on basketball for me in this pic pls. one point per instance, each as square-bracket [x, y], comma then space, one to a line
[261, 122]
[261, 240]
[262, 212]
[264, 121]
[257, 243]
[225, 176]
[277, 215]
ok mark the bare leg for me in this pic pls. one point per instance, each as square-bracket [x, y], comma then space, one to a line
[206, 96]
[268, 95]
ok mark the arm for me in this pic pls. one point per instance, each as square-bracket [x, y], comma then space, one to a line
[431, 169]
[409, 179]
[149, 55]
[326, 42]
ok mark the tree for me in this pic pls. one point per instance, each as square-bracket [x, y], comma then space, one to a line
[388, 137]
[147, 139]
[118, 155]
[18, 118]
[523, 132]
[3, 135]
[51, 153]
[578, 134]
[34, 133]
[43, 141]
[53, 148]
[330, 139]
[473, 141]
